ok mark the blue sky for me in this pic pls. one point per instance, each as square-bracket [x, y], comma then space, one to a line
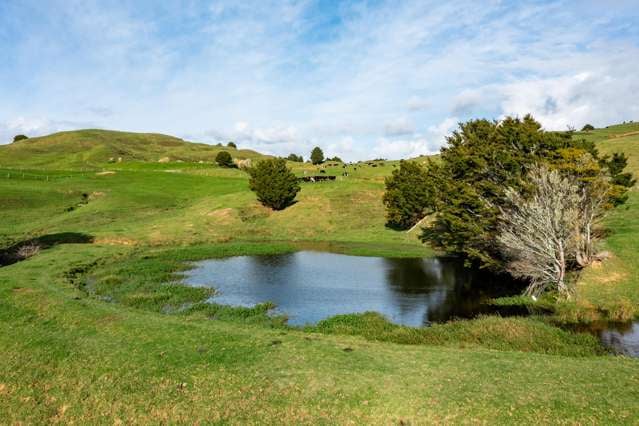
[361, 79]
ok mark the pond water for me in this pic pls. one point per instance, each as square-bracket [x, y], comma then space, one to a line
[310, 286]
[621, 338]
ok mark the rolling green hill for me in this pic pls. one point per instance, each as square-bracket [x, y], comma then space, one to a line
[93, 148]
[84, 337]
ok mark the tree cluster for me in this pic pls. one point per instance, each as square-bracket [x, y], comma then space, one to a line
[489, 169]
[295, 158]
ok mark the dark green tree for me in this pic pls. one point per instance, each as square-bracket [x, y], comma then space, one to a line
[295, 158]
[317, 155]
[409, 195]
[17, 138]
[335, 159]
[480, 161]
[621, 181]
[224, 159]
[588, 128]
[274, 183]
[231, 145]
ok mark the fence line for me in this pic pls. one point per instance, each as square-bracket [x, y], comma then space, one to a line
[16, 174]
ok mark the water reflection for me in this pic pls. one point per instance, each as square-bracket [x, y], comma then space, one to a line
[311, 286]
[621, 338]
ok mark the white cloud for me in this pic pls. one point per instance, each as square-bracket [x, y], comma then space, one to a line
[598, 98]
[415, 103]
[360, 79]
[33, 127]
[399, 127]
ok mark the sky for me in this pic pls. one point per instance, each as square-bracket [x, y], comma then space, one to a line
[361, 79]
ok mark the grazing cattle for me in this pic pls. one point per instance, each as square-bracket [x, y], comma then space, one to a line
[316, 178]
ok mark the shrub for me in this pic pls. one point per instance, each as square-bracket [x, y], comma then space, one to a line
[231, 145]
[317, 155]
[408, 194]
[17, 138]
[224, 159]
[588, 128]
[295, 158]
[274, 183]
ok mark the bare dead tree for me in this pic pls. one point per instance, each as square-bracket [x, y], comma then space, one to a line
[539, 234]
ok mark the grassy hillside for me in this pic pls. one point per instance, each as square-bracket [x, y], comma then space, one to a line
[91, 148]
[612, 287]
[120, 233]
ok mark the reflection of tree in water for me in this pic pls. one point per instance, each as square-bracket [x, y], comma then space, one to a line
[443, 286]
[622, 338]
[273, 260]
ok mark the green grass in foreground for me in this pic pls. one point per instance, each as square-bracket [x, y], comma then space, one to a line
[65, 357]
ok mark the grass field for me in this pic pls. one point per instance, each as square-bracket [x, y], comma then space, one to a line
[86, 337]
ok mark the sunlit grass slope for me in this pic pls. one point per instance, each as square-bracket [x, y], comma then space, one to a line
[91, 148]
[46, 187]
[613, 286]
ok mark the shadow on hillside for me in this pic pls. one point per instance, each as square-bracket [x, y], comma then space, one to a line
[28, 248]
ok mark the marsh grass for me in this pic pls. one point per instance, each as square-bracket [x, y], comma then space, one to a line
[490, 332]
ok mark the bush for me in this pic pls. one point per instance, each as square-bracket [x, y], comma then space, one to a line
[588, 128]
[317, 155]
[231, 145]
[223, 159]
[295, 158]
[274, 183]
[408, 195]
[17, 138]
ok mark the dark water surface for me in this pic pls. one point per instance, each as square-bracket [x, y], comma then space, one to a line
[310, 286]
[621, 338]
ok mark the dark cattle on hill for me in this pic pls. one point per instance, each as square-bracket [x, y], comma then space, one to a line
[316, 178]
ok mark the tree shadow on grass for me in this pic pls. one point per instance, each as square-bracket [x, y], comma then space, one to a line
[28, 248]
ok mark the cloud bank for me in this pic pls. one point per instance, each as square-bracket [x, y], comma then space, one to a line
[361, 79]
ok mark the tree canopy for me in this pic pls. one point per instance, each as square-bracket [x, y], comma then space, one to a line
[409, 195]
[17, 138]
[480, 162]
[317, 155]
[231, 145]
[274, 183]
[224, 159]
[295, 158]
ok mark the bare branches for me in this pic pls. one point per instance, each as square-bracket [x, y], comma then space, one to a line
[540, 234]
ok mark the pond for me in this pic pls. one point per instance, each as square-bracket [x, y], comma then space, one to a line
[621, 338]
[310, 286]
